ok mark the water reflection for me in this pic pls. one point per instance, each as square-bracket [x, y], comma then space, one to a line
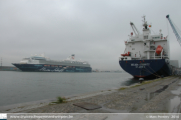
[176, 92]
[174, 105]
[149, 96]
[129, 81]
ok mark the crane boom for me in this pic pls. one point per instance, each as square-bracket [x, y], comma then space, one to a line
[174, 30]
[134, 28]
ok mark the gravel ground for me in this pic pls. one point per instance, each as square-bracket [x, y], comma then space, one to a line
[160, 96]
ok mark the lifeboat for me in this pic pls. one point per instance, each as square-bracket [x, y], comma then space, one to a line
[159, 49]
[126, 54]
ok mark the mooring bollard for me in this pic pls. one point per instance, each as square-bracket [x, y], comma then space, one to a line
[141, 80]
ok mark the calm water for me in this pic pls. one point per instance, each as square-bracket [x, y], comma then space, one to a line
[20, 87]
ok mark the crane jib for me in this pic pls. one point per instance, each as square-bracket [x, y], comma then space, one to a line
[174, 30]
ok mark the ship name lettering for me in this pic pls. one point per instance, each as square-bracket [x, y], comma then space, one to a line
[141, 65]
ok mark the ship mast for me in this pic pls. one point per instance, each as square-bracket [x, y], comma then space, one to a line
[145, 23]
[1, 62]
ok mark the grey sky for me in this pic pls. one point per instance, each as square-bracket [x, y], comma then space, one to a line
[93, 30]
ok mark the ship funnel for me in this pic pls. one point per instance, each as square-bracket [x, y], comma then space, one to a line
[73, 56]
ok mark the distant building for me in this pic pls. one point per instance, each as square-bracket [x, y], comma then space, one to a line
[96, 70]
[8, 68]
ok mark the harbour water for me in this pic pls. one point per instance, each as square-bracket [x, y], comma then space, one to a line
[19, 87]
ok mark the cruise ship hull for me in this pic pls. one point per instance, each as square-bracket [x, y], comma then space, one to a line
[51, 68]
[146, 68]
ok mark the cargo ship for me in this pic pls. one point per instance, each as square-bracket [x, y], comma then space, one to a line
[147, 55]
[40, 63]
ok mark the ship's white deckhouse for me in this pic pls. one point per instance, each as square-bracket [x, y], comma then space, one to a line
[144, 46]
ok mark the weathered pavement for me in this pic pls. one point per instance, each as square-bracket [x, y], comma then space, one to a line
[160, 96]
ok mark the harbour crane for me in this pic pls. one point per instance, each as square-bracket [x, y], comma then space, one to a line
[176, 31]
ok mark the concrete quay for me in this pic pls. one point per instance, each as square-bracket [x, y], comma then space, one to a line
[162, 95]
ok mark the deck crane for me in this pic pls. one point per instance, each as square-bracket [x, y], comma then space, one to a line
[175, 30]
[134, 28]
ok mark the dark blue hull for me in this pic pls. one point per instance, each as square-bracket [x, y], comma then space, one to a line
[146, 68]
[51, 68]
